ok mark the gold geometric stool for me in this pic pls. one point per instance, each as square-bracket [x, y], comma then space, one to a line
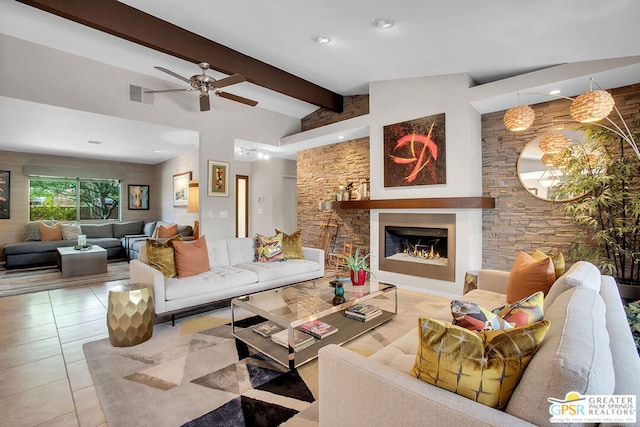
[130, 314]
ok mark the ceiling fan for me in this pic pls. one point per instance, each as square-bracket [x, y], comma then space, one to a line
[205, 84]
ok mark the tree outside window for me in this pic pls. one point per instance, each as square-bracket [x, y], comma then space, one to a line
[73, 200]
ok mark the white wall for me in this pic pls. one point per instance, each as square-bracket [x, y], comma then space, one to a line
[266, 181]
[164, 175]
[39, 74]
[396, 101]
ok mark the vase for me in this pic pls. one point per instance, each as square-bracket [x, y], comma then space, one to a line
[358, 278]
[339, 290]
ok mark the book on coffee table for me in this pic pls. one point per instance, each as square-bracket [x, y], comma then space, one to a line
[363, 312]
[318, 328]
[301, 340]
[267, 329]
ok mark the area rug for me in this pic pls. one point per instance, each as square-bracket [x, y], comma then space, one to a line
[24, 281]
[197, 374]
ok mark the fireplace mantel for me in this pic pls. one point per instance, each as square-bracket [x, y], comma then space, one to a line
[430, 203]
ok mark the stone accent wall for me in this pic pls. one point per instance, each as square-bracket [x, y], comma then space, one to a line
[320, 171]
[353, 106]
[520, 221]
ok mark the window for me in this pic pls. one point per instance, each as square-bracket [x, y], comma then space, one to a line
[77, 199]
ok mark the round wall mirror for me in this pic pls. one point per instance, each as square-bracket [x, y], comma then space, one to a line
[540, 177]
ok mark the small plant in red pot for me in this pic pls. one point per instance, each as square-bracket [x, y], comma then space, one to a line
[358, 267]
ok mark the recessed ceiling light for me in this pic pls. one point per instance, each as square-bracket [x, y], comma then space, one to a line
[554, 92]
[321, 39]
[340, 136]
[158, 151]
[382, 23]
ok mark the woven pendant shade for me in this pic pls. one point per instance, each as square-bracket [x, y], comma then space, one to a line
[550, 159]
[592, 106]
[553, 142]
[519, 118]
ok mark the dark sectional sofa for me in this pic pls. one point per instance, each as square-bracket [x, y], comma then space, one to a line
[122, 240]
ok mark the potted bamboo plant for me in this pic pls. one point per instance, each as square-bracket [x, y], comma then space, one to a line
[606, 172]
[358, 267]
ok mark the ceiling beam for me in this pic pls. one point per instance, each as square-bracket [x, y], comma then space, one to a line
[131, 24]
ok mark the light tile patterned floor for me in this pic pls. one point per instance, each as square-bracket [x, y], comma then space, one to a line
[44, 379]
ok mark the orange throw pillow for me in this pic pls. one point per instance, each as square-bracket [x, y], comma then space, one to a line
[191, 257]
[50, 233]
[169, 231]
[529, 276]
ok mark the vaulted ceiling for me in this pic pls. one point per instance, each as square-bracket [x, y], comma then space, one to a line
[271, 42]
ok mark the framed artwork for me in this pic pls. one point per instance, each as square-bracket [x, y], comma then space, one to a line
[138, 197]
[181, 188]
[218, 179]
[415, 152]
[5, 184]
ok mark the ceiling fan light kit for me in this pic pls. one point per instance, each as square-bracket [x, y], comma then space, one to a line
[204, 84]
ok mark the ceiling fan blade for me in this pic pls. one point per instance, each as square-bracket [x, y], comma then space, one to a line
[236, 98]
[228, 81]
[204, 102]
[171, 73]
[168, 90]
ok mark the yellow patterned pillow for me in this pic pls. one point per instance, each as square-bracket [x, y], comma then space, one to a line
[160, 255]
[482, 366]
[557, 259]
[269, 248]
[292, 244]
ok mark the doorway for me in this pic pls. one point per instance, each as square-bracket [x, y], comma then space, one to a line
[242, 206]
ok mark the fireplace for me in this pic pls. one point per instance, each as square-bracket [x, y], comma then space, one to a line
[418, 244]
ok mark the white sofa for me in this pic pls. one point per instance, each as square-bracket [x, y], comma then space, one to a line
[587, 349]
[233, 273]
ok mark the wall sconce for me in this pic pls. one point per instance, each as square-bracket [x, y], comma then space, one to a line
[589, 107]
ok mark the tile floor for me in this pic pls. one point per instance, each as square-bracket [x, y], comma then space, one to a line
[44, 379]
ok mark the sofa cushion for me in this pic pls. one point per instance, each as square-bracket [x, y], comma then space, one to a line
[121, 229]
[574, 356]
[160, 255]
[269, 249]
[474, 317]
[214, 280]
[582, 273]
[529, 276]
[97, 230]
[523, 312]
[148, 228]
[49, 233]
[166, 231]
[557, 259]
[292, 244]
[267, 271]
[479, 296]
[218, 254]
[191, 257]
[70, 231]
[481, 366]
[241, 250]
[32, 229]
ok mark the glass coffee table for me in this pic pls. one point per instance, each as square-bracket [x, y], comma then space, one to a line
[291, 306]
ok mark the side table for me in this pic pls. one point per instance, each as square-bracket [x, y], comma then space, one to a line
[130, 314]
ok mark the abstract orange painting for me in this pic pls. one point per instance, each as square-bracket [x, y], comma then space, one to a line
[415, 152]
